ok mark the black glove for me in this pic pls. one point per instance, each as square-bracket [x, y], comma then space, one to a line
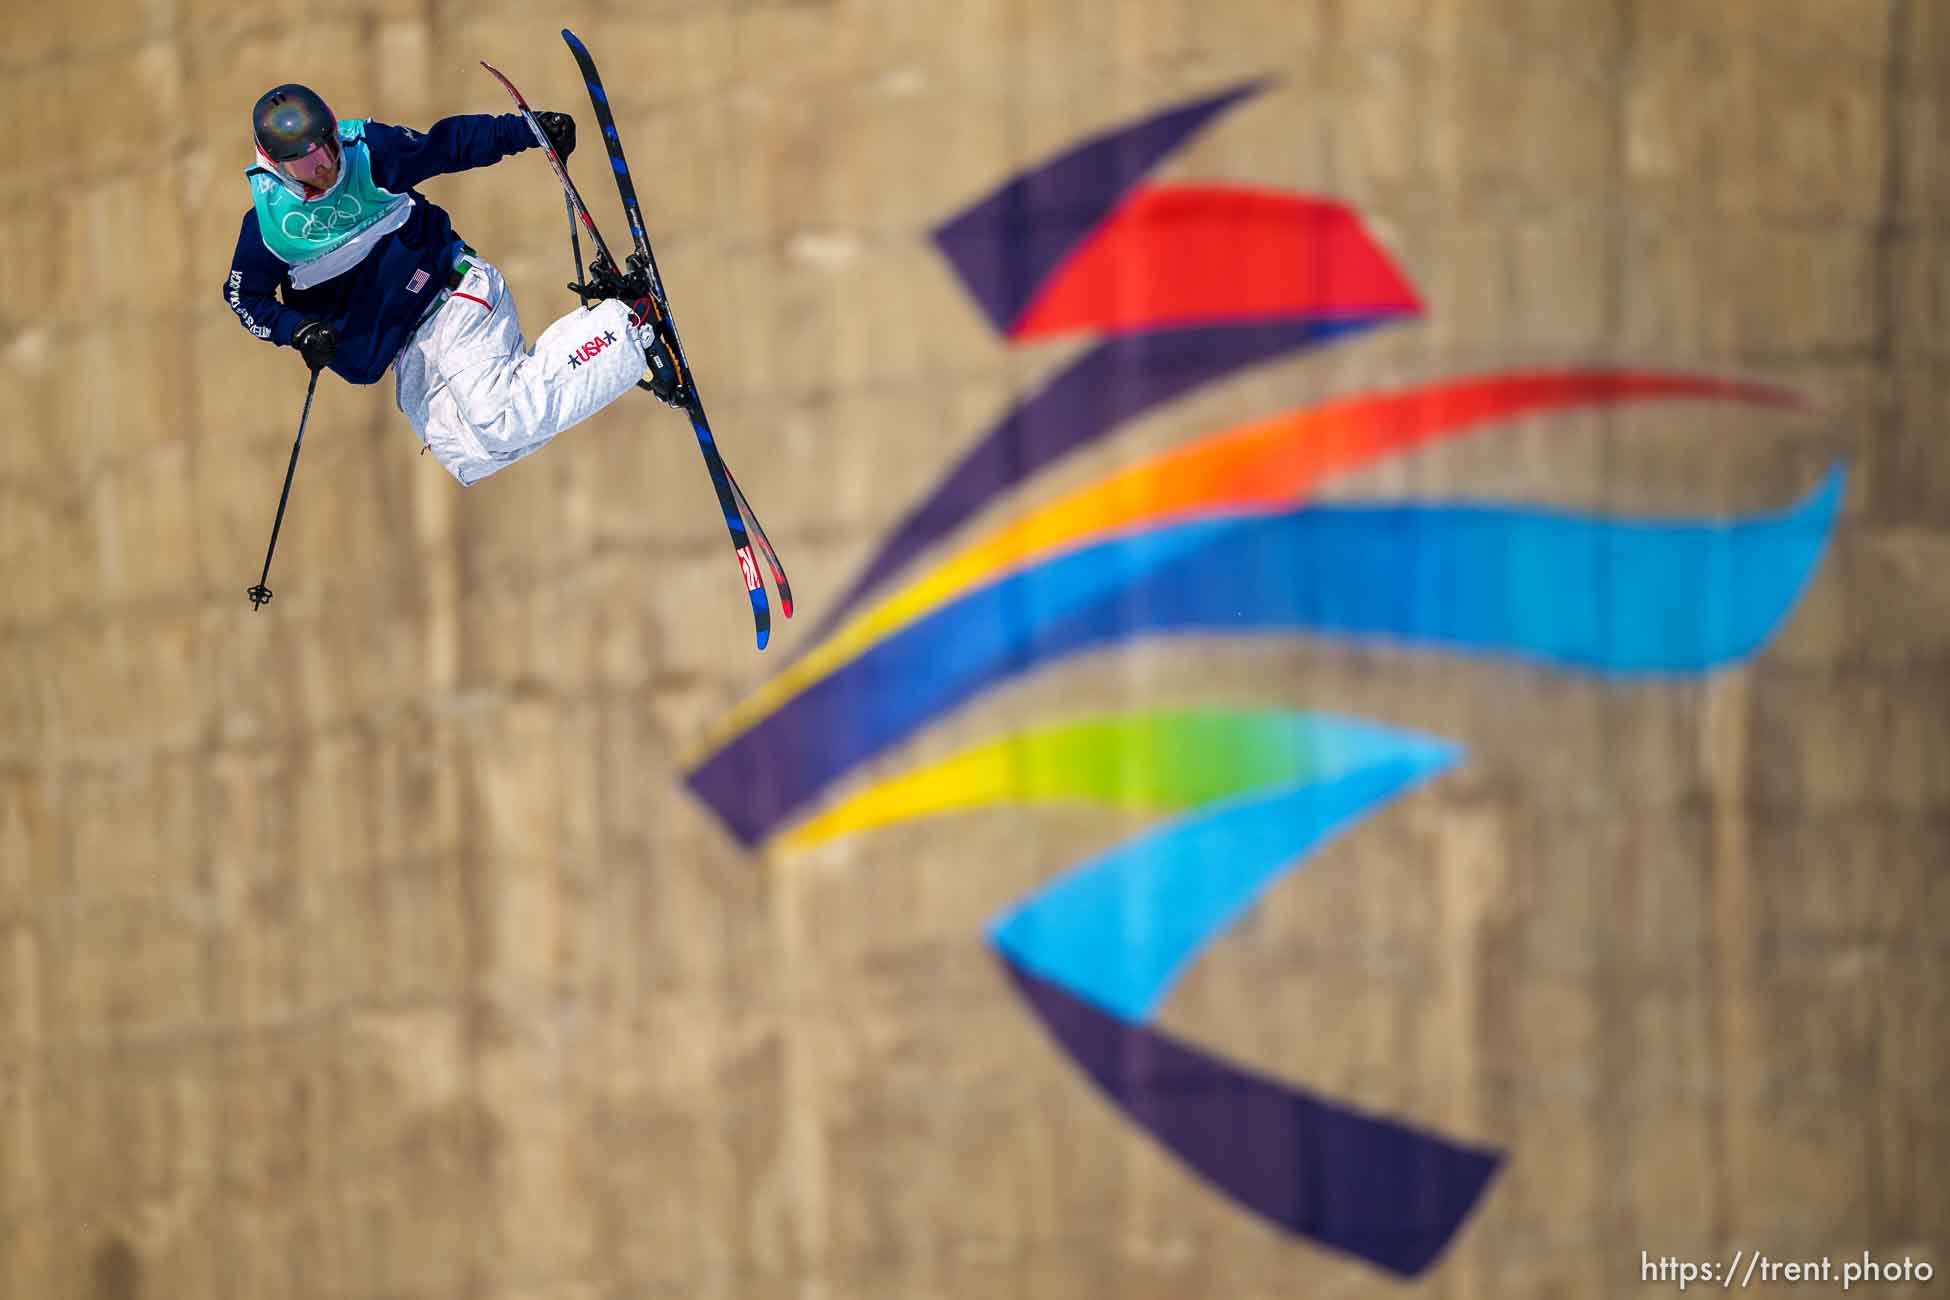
[560, 129]
[317, 343]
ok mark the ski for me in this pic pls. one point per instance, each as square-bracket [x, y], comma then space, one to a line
[731, 498]
[561, 170]
[764, 545]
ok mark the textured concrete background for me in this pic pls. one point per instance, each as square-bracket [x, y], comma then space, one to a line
[368, 946]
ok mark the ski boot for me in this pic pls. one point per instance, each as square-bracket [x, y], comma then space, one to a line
[665, 377]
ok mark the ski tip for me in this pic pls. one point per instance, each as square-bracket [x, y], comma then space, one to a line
[785, 604]
[764, 636]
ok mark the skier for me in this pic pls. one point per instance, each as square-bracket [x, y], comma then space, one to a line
[372, 275]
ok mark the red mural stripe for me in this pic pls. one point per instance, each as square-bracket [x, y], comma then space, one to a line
[1186, 255]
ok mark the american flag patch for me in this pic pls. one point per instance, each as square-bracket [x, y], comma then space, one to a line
[417, 283]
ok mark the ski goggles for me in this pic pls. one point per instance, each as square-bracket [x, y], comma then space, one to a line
[316, 168]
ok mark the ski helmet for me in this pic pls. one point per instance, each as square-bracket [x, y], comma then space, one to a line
[290, 122]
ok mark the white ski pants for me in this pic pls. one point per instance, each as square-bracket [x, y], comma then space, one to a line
[480, 399]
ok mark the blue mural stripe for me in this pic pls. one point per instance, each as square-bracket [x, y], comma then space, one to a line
[1576, 592]
[1366, 1185]
[1118, 930]
[1113, 382]
[1005, 244]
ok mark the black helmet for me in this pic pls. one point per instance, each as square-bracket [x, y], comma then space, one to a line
[289, 120]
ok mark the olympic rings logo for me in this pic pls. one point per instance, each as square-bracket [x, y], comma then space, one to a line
[316, 225]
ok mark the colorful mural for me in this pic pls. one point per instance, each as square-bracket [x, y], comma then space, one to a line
[1180, 285]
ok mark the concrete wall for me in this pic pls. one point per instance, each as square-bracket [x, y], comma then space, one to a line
[371, 946]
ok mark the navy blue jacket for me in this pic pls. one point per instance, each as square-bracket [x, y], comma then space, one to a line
[371, 306]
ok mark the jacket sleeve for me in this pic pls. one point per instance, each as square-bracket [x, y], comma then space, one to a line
[251, 289]
[403, 157]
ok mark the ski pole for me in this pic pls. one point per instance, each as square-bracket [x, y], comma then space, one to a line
[260, 594]
[575, 243]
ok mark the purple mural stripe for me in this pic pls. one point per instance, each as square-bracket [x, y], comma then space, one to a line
[1368, 1186]
[1005, 245]
[1111, 383]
